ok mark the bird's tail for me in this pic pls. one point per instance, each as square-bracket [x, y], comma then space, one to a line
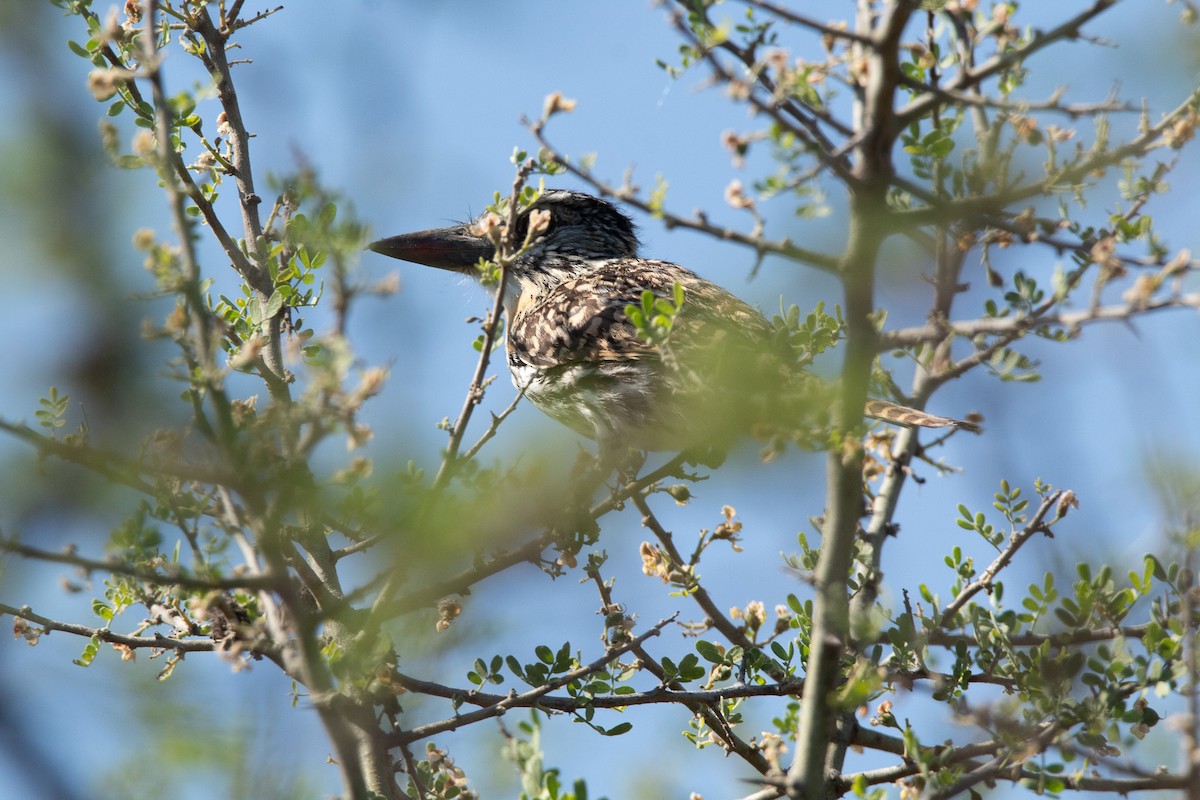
[910, 417]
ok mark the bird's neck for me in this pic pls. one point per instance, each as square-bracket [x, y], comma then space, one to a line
[528, 286]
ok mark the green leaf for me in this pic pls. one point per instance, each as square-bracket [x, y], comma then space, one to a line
[89, 653]
[254, 311]
[617, 730]
[274, 305]
[1157, 569]
[514, 666]
[102, 610]
[710, 652]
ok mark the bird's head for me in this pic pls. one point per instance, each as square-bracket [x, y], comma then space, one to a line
[581, 229]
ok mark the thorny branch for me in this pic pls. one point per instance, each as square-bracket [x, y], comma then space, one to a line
[801, 119]
[808, 775]
[119, 567]
[506, 250]
[296, 578]
[156, 641]
[529, 698]
[427, 596]
[708, 710]
[1071, 321]
[713, 615]
[628, 195]
[971, 77]
[662, 694]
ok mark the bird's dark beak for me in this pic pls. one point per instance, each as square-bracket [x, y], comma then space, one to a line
[454, 248]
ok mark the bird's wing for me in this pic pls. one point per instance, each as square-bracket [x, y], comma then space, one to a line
[584, 320]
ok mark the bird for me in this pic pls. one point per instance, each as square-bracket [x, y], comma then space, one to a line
[713, 370]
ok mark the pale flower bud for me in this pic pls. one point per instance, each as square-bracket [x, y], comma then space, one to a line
[143, 143]
[489, 227]
[1177, 264]
[755, 615]
[103, 83]
[372, 381]
[555, 103]
[539, 221]
[143, 238]
[736, 195]
[1067, 502]
[205, 161]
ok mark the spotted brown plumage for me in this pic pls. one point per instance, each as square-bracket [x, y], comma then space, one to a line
[584, 363]
[719, 371]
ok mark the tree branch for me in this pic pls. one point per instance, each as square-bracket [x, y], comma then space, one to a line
[525, 699]
[662, 694]
[1035, 526]
[1070, 320]
[923, 106]
[118, 567]
[756, 242]
[808, 777]
[461, 583]
[105, 635]
[506, 250]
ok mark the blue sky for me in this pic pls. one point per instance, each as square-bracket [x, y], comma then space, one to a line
[411, 111]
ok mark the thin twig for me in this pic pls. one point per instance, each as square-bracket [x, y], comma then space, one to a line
[529, 698]
[969, 78]
[661, 694]
[785, 247]
[969, 99]
[497, 419]
[734, 633]
[810, 23]
[1070, 320]
[1037, 524]
[505, 250]
[119, 567]
[427, 596]
[1096, 160]
[1000, 762]
[106, 635]
[709, 710]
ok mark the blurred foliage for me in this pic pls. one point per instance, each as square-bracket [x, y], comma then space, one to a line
[241, 537]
